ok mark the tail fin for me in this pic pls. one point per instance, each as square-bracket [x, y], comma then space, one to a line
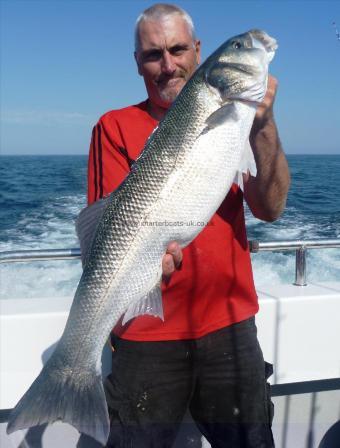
[74, 398]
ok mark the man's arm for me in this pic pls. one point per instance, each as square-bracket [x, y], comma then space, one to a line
[266, 193]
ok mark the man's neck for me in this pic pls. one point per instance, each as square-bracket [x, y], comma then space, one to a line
[156, 112]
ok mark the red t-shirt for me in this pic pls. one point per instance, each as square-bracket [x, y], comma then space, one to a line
[214, 287]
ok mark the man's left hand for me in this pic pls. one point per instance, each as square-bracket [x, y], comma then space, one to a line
[265, 109]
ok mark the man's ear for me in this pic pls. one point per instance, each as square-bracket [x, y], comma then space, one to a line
[198, 51]
[138, 66]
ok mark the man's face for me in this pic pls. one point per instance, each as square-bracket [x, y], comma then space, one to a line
[166, 58]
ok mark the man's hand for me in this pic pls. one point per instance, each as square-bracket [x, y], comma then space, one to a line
[172, 260]
[265, 109]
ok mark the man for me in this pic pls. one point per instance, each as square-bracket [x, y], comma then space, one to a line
[205, 355]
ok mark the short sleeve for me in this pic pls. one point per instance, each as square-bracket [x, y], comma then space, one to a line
[108, 164]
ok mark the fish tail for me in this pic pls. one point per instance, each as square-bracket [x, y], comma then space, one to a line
[58, 394]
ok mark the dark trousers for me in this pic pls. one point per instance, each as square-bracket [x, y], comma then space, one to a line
[220, 378]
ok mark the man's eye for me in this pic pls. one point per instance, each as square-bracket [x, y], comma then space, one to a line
[177, 51]
[152, 56]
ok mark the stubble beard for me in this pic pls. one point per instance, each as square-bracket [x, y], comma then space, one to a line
[169, 93]
[169, 96]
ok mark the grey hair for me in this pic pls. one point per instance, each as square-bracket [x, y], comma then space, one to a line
[160, 11]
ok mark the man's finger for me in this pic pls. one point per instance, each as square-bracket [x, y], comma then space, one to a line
[168, 265]
[265, 109]
[172, 260]
[175, 250]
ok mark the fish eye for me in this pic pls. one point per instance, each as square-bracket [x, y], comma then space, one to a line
[236, 44]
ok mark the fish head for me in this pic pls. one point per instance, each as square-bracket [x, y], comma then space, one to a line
[238, 69]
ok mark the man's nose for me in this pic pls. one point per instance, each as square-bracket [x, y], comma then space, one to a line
[168, 63]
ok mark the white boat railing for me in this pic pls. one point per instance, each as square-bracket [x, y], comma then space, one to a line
[18, 256]
[300, 247]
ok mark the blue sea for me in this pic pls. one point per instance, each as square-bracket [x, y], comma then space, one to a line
[42, 195]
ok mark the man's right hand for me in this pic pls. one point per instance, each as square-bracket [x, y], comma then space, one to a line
[172, 260]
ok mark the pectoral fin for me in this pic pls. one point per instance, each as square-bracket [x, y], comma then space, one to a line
[225, 113]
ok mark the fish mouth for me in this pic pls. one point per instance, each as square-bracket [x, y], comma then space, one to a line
[242, 68]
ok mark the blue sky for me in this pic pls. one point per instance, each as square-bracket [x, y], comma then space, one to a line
[65, 63]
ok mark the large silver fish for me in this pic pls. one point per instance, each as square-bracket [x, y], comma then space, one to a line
[185, 171]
